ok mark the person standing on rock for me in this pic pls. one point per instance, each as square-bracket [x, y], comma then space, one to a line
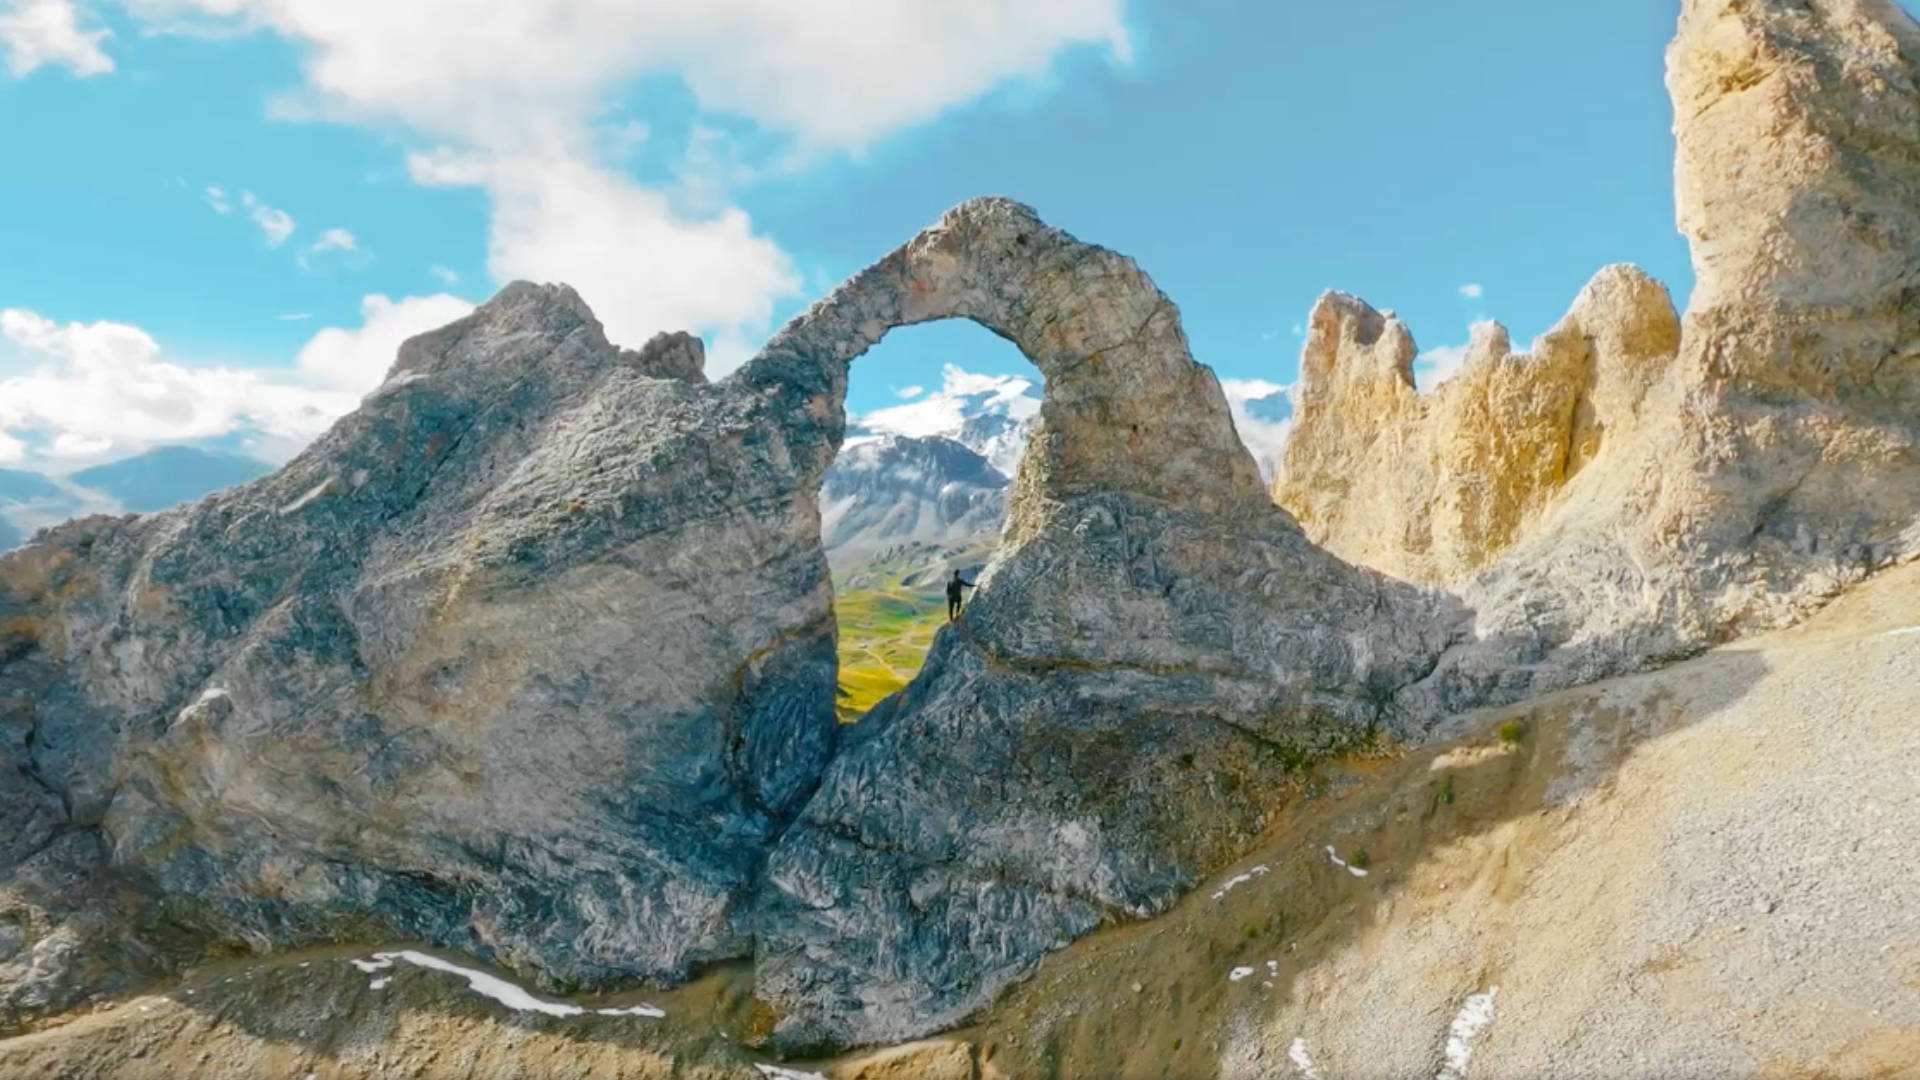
[954, 603]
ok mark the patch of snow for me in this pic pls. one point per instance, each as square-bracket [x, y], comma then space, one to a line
[1238, 880]
[653, 1011]
[1303, 1061]
[1239, 973]
[380, 983]
[775, 1072]
[1475, 1014]
[1343, 864]
[1902, 632]
[314, 495]
[500, 990]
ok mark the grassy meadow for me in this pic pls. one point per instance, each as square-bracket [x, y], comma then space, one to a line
[885, 632]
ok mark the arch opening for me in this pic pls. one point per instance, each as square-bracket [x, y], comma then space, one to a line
[938, 415]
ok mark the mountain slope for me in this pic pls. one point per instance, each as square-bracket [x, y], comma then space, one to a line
[169, 475]
[891, 494]
[1700, 871]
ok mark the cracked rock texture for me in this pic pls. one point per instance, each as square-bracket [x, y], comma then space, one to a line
[1153, 647]
[1637, 498]
[529, 657]
[532, 657]
[1432, 487]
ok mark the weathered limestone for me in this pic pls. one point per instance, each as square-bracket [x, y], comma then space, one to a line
[529, 657]
[1776, 458]
[532, 655]
[1152, 649]
[1432, 487]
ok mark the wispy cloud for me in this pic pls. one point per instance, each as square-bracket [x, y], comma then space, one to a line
[443, 275]
[1472, 291]
[276, 225]
[295, 316]
[1442, 362]
[334, 240]
[909, 392]
[217, 199]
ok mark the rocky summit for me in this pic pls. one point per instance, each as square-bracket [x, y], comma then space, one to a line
[531, 659]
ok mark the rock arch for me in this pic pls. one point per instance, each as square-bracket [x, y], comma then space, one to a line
[1153, 647]
[1126, 407]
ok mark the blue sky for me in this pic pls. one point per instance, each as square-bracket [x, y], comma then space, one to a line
[716, 167]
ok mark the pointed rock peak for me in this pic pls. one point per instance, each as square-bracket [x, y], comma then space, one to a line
[670, 355]
[1487, 343]
[1348, 341]
[1628, 313]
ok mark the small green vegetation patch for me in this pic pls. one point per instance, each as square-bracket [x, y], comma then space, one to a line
[885, 632]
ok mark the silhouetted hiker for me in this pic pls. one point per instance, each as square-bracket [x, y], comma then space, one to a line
[954, 604]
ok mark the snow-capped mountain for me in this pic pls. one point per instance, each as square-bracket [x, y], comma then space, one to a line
[992, 415]
[893, 497]
[988, 414]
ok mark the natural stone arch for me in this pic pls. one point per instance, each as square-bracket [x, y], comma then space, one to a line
[1154, 646]
[1126, 408]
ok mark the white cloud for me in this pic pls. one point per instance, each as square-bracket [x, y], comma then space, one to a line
[833, 74]
[334, 240]
[514, 98]
[295, 316]
[641, 267]
[1472, 291]
[355, 361]
[95, 389]
[1436, 365]
[274, 224]
[36, 33]
[1264, 434]
[962, 394]
[1442, 362]
[909, 392]
[217, 199]
[445, 276]
[12, 450]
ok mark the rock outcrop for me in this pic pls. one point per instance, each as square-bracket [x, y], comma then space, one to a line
[1774, 459]
[531, 657]
[1151, 651]
[1433, 487]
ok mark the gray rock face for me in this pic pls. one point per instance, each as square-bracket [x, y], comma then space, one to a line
[1152, 648]
[532, 657]
[511, 660]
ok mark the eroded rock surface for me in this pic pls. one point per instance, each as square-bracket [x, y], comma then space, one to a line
[530, 657]
[1153, 647]
[1433, 487]
[1774, 459]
